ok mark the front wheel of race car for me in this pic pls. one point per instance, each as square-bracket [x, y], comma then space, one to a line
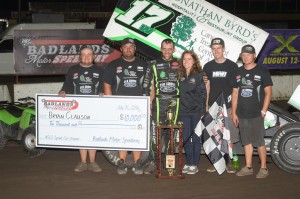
[285, 147]
[28, 141]
[113, 158]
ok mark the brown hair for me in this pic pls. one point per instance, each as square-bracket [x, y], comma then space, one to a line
[197, 68]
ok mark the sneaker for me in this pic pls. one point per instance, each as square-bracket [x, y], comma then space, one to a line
[185, 169]
[151, 168]
[263, 173]
[211, 169]
[122, 167]
[193, 170]
[137, 169]
[94, 167]
[229, 168]
[245, 171]
[81, 167]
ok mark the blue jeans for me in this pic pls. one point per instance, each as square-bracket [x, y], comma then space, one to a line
[191, 141]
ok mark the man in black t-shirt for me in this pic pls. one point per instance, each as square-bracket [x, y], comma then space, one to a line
[251, 97]
[84, 79]
[219, 72]
[124, 76]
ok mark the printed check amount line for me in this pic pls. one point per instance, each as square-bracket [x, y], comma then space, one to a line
[122, 125]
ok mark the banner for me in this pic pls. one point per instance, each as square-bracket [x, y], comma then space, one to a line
[281, 50]
[106, 122]
[46, 52]
[191, 24]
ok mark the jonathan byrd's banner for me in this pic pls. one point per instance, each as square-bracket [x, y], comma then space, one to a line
[47, 52]
[281, 50]
[191, 24]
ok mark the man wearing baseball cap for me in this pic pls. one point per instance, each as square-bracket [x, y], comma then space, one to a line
[127, 41]
[247, 49]
[124, 76]
[217, 41]
[219, 72]
[251, 96]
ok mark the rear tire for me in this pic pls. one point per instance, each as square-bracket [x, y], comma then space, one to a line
[285, 147]
[28, 141]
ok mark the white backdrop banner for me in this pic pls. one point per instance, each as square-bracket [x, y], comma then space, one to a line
[93, 122]
[191, 24]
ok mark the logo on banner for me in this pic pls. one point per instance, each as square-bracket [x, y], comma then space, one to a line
[144, 17]
[285, 43]
[184, 34]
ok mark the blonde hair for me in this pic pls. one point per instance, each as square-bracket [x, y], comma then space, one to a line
[197, 68]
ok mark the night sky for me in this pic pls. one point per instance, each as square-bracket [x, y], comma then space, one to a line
[12, 5]
[7, 7]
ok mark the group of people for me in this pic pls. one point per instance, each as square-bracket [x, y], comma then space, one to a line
[190, 88]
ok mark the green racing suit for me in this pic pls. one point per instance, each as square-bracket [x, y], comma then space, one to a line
[164, 76]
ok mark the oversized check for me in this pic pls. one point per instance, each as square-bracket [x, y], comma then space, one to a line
[93, 122]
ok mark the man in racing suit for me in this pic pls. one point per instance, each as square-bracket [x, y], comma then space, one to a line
[161, 84]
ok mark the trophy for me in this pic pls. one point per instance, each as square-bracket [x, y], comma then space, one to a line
[170, 128]
[170, 113]
[170, 116]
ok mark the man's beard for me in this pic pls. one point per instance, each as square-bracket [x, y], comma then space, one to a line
[128, 57]
[86, 63]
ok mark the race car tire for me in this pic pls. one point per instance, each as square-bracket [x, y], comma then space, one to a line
[28, 141]
[113, 158]
[3, 142]
[285, 147]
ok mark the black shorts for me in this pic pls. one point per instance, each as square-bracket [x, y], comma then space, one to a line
[234, 131]
[252, 131]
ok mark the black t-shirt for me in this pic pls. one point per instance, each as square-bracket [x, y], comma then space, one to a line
[220, 75]
[84, 80]
[125, 78]
[251, 84]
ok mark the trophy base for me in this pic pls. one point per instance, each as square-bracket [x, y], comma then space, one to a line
[174, 177]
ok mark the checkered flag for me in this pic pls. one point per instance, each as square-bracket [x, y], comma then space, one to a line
[213, 127]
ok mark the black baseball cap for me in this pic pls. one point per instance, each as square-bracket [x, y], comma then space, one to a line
[86, 46]
[217, 41]
[248, 49]
[127, 41]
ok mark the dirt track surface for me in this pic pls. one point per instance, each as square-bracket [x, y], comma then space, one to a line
[51, 176]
